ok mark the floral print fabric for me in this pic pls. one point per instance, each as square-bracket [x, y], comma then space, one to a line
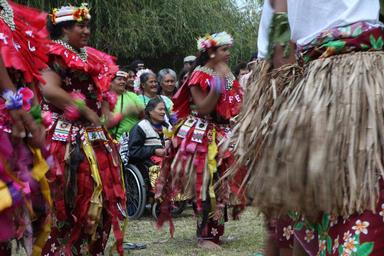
[359, 36]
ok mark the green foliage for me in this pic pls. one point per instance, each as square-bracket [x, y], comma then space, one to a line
[162, 32]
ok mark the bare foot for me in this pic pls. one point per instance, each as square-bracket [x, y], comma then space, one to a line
[209, 245]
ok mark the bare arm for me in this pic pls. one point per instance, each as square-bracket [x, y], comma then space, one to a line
[205, 102]
[279, 5]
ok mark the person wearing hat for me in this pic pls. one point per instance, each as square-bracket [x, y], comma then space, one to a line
[189, 61]
[128, 109]
[88, 195]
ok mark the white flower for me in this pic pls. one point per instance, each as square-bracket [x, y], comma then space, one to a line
[382, 211]
[309, 235]
[333, 220]
[335, 245]
[288, 232]
[350, 245]
[90, 87]
[214, 231]
[361, 227]
[322, 245]
[347, 235]
[67, 81]
[83, 248]
[53, 247]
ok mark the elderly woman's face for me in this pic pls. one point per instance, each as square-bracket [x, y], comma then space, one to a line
[168, 84]
[158, 113]
[150, 86]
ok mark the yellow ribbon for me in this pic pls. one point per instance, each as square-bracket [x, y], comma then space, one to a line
[212, 167]
[96, 205]
[40, 168]
[5, 195]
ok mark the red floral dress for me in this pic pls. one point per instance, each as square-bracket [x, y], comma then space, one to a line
[24, 207]
[86, 179]
[196, 160]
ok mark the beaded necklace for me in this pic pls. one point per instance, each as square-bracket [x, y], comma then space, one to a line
[229, 77]
[82, 54]
[6, 14]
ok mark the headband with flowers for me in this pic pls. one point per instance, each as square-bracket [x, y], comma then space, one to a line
[67, 13]
[214, 40]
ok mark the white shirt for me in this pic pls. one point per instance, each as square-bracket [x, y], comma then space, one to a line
[263, 35]
[308, 18]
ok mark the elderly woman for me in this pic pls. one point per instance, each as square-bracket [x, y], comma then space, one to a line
[167, 82]
[147, 141]
[149, 88]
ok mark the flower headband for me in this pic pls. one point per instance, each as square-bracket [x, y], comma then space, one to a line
[67, 13]
[214, 40]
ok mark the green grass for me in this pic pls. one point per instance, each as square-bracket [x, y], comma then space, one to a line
[242, 238]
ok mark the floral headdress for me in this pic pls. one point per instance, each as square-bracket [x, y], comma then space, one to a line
[67, 13]
[214, 40]
[139, 73]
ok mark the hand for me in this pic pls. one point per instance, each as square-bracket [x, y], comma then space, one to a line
[91, 116]
[23, 123]
[160, 152]
[218, 83]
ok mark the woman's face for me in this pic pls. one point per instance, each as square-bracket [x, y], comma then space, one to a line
[131, 79]
[223, 53]
[158, 113]
[168, 84]
[118, 85]
[78, 35]
[150, 86]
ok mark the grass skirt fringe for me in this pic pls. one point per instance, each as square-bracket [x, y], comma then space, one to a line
[266, 90]
[324, 150]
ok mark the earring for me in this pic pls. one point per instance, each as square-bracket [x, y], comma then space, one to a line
[212, 56]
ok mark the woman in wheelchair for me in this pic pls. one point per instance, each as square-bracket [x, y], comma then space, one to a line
[147, 141]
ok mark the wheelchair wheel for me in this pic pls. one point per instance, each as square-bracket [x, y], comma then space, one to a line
[135, 191]
[155, 210]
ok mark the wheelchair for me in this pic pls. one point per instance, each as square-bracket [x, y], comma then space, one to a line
[138, 186]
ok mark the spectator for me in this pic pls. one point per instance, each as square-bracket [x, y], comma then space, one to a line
[148, 86]
[128, 109]
[189, 61]
[137, 65]
[241, 70]
[183, 76]
[167, 82]
[147, 141]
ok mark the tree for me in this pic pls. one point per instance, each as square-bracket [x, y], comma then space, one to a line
[162, 32]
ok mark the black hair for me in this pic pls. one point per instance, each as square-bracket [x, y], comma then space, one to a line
[182, 73]
[239, 67]
[134, 64]
[56, 30]
[253, 57]
[151, 105]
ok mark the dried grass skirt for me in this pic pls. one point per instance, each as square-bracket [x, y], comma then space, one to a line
[323, 152]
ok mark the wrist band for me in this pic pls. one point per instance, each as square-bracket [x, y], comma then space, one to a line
[73, 112]
[16, 100]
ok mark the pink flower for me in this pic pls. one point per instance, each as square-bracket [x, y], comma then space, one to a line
[27, 97]
[47, 118]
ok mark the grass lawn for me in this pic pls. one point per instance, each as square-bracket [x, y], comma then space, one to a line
[241, 238]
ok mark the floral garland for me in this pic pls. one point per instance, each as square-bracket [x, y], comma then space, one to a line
[214, 40]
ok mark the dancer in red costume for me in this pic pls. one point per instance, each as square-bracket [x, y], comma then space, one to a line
[24, 192]
[86, 182]
[196, 161]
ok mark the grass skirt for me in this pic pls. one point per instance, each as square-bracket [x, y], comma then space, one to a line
[324, 149]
